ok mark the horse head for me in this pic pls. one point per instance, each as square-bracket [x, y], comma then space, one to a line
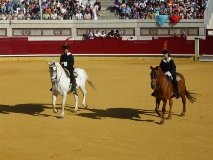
[155, 73]
[53, 70]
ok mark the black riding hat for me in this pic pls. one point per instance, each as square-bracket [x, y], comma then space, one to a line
[165, 51]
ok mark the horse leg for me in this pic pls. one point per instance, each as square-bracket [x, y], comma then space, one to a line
[184, 105]
[157, 107]
[170, 108]
[64, 96]
[163, 111]
[54, 97]
[84, 96]
[76, 101]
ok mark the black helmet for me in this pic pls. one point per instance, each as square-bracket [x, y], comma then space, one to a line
[165, 51]
[65, 46]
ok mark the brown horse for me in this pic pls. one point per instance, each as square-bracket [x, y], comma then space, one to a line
[164, 91]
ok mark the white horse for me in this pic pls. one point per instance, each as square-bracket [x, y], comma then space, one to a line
[61, 85]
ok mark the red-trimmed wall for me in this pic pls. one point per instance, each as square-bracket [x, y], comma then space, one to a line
[206, 47]
[21, 46]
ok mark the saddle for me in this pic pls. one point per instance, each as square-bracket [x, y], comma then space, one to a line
[170, 78]
[68, 73]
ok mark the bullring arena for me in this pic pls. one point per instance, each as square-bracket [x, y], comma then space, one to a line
[120, 121]
[116, 44]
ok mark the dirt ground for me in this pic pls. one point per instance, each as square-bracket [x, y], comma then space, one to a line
[120, 122]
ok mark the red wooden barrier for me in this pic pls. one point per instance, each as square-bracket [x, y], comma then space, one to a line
[21, 46]
[206, 47]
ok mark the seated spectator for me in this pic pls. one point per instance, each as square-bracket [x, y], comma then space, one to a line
[46, 16]
[116, 7]
[89, 35]
[87, 16]
[97, 34]
[183, 35]
[103, 34]
[117, 34]
[175, 35]
[79, 15]
[88, 4]
[128, 12]
[53, 15]
[20, 15]
[111, 34]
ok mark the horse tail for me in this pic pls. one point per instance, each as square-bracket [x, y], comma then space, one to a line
[190, 96]
[88, 80]
[91, 84]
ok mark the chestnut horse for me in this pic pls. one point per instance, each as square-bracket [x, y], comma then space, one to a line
[164, 91]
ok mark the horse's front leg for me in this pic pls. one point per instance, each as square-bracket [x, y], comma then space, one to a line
[64, 96]
[163, 111]
[54, 97]
[170, 108]
[157, 107]
[76, 101]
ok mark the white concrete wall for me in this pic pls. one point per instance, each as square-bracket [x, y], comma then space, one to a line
[61, 29]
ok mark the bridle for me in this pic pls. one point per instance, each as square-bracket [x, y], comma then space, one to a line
[55, 79]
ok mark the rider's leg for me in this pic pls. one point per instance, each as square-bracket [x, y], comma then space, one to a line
[175, 86]
[72, 80]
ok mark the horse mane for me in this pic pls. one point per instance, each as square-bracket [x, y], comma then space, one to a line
[159, 71]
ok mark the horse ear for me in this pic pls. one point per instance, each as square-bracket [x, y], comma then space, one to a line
[49, 63]
[151, 68]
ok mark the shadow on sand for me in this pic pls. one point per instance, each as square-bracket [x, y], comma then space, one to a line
[120, 113]
[30, 109]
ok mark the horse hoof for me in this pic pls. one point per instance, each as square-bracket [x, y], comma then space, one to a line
[161, 122]
[60, 117]
[55, 111]
[182, 114]
[169, 117]
[85, 106]
[74, 111]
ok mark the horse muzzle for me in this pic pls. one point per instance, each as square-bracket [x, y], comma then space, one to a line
[153, 86]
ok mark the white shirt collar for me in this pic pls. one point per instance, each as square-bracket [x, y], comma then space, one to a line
[167, 60]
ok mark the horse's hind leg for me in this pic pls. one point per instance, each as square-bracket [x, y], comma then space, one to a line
[54, 103]
[84, 96]
[170, 108]
[184, 105]
[76, 101]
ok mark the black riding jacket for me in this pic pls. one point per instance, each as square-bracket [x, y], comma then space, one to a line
[168, 65]
[69, 59]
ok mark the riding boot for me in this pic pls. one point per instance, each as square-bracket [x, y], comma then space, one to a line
[73, 82]
[176, 91]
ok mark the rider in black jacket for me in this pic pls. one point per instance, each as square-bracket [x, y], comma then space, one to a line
[168, 67]
[67, 61]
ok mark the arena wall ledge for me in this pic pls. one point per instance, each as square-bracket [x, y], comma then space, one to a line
[141, 29]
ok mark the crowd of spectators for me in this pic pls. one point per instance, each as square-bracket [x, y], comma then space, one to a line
[75, 9]
[148, 9]
[50, 10]
[113, 34]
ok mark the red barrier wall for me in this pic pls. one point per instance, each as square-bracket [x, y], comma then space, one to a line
[21, 46]
[206, 47]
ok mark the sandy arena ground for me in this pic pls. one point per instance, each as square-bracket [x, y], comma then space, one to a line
[120, 122]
